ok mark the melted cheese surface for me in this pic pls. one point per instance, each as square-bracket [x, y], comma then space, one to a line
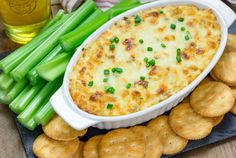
[158, 52]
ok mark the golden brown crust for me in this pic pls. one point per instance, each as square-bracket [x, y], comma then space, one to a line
[217, 120]
[198, 43]
[46, 147]
[172, 143]
[225, 69]
[91, 147]
[154, 147]
[212, 99]
[233, 110]
[58, 129]
[188, 124]
[122, 143]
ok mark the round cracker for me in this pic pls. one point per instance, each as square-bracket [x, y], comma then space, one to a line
[154, 147]
[46, 147]
[217, 120]
[123, 143]
[91, 147]
[212, 99]
[188, 124]
[225, 69]
[233, 110]
[172, 143]
[79, 152]
[230, 45]
[58, 129]
[207, 79]
[186, 99]
[213, 76]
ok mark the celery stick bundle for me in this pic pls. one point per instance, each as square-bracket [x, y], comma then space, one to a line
[33, 72]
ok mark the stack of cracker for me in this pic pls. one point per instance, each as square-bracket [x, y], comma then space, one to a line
[193, 119]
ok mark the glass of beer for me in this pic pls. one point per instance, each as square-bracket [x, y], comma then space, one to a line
[23, 19]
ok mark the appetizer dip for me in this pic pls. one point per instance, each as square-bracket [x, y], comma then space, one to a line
[144, 59]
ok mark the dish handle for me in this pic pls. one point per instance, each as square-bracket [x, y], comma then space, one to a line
[226, 12]
[74, 119]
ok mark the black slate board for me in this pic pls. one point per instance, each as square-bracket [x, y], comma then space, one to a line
[226, 129]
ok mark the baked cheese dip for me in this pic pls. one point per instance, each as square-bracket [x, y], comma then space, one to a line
[144, 59]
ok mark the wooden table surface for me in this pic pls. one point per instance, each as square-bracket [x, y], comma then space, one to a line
[11, 146]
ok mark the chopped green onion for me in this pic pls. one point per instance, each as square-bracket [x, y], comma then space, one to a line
[112, 46]
[141, 41]
[105, 79]
[173, 26]
[110, 90]
[116, 40]
[182, 29]
[106, 72]
[178, 56]
[128, 86]
[181, 19]
[163, 45]
[109, 106]
[117, 69]
[149, 49]
[137, 19]
[90, 84]
[161, 12]
[152, 62]
[145, 59]
[142, 78]
[186, 37]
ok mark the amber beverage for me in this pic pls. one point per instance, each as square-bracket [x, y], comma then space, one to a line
[23, 19]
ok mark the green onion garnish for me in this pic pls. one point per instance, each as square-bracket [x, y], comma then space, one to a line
[152, 62]
[109, 106]
[182, 29]
[178, 56]
[163, 45]
[90, 84]
[137, 19]
[106, 72]
[149, 49]
[181, 19]
[116, 40]
[110, 90]
[145, 59]
[142, 78]
[128, 86]
[141, 41]
[161, 12]
[105, 79]
[186, 37]
[117, 69]
[112, 46]
[173, 26]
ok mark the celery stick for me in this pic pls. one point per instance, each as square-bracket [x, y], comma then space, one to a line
[97, 13]
[25, 97]
[44, 114]
[74, 39]
[14, 91]
[42, 97]
[33, 76]
[56, 18]
[126, 3]
[3, 95]
[31, 124]
[5, 81]
[54, 68]
[11, 61]
[116, 11]
[47, 45]
[13, 104]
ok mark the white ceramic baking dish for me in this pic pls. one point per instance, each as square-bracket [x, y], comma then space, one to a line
[78, 119]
